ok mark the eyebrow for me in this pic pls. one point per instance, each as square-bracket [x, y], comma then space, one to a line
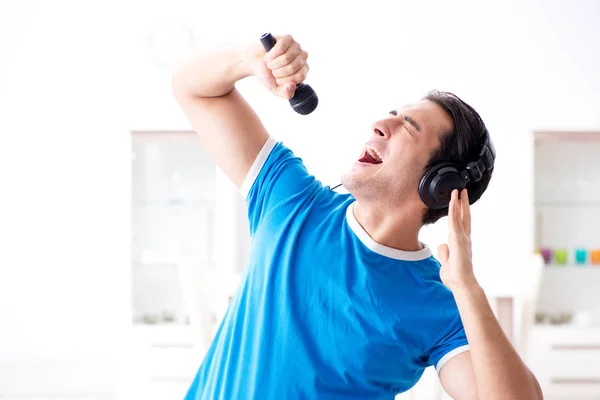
[408, 119]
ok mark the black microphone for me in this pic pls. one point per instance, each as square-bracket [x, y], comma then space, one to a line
[305, 99]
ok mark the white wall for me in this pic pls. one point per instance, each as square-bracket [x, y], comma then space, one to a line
[65, 162]
[567, 190]
[76, 76]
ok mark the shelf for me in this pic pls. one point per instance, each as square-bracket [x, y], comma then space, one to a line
[573, 266]
[196, 262]
[567, 203]
[176, 202]
[570, 329]
[155, 264]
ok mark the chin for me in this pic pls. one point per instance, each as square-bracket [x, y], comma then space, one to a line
[349, 181]
[360, 189]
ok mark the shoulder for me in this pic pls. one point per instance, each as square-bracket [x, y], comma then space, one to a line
[415, 296]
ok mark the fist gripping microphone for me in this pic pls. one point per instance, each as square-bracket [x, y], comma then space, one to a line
[305, 99]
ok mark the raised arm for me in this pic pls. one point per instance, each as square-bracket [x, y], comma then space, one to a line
[492, 369]
[204, 87]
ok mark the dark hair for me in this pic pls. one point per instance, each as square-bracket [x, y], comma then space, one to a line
[461, 145]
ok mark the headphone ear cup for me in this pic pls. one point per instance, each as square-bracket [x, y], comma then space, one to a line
[436, 186]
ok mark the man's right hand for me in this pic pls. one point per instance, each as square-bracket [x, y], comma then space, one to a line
[280, 69]
[228, 127]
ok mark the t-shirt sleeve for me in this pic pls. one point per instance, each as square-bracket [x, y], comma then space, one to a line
[278, 179]
[452, 342]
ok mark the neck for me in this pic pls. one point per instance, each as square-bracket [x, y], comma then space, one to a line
[396, 227]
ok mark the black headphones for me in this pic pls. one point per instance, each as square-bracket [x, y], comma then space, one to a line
[439, 181]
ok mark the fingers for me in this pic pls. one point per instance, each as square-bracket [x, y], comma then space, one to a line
[290, 68]
[282, 44]
[287, 57]
[287, 61]
[298, 77]
[465, 211]
[454, 217]
[286, 91]
[443, 253]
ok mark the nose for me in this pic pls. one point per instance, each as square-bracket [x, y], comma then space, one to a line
[382, 129]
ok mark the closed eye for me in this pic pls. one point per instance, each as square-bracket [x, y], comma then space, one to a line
[408, 119]
[412, 122]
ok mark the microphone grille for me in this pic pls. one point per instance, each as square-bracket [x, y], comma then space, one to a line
[305, 99]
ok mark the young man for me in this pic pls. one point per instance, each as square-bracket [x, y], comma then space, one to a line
[340, 299]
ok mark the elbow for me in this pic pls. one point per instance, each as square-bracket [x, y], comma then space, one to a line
[176, 81]
[537, 387]
[178, 88]
[179, 84]
[538, 390]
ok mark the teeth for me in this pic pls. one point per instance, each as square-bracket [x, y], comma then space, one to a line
[374, 153]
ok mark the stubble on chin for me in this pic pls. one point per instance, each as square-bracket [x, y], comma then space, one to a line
[384, 193]
[371, 190]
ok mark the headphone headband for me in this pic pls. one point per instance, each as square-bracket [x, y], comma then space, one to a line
[474, 170]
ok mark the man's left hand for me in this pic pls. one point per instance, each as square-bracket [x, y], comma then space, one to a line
[456, 258]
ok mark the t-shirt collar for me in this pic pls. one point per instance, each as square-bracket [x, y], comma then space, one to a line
[381, 249]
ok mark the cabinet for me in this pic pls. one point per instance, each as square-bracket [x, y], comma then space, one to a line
[564, 344]
[566, 361]
[189, 234]
[173, 212]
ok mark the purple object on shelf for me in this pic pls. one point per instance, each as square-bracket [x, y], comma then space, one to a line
[546, 255]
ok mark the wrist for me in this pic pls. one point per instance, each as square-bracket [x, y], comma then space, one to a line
[248, 58]
[235, 61]
[466, 284]
[212, 73]
[238, 66]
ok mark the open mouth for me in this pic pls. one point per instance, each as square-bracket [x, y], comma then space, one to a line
[370, 156]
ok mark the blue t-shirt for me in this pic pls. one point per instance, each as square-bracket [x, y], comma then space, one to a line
[323, 311]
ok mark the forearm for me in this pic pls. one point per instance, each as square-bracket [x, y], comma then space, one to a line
[214, 73]
[499, 371]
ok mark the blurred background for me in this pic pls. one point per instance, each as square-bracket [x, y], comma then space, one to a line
[121, 242]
